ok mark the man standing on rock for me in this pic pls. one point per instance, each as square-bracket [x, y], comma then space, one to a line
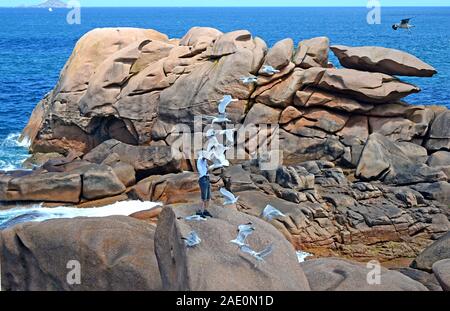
[205, 185]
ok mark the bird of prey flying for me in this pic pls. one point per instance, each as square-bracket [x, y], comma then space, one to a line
[229, 197]
[269, 70]
[404, 24]
[243, 232]
[271, 212]
[249, 80]
[224, 102]
[192, 239]
[258, 255]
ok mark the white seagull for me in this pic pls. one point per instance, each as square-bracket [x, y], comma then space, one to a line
[301, 256]
[229, 134]
[229, 197]
[212, 144]
[224, 102]
[269, 70]
[192, 239]
[243, 232]
[221, 118]
[258, 255]
[218, 163]
[271, 212]
[193, 218]
[249, 80]
[404, 24]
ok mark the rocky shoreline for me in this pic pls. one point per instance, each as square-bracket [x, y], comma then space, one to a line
[363, 175]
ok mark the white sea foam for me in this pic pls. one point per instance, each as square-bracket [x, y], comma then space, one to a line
[39, 213]
[13, 140]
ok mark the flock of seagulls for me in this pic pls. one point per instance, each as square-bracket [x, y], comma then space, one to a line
[215, 152]
[243, 231]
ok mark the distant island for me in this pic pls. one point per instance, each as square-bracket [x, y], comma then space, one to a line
[49, 4]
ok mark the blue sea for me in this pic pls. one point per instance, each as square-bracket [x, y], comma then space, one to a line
[35, 44]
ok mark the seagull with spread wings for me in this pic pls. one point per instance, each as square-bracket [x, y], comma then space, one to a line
[229, 197]
[271, 212]
[192, 239]
[404, 24]
[258, 255]
[243, 232]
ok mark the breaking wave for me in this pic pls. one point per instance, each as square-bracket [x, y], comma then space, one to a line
[13, 152]
[11, 217]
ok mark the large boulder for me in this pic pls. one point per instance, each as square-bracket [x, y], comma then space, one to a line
[217, 264]
[311, 97]
[50, 187]
[57, 125]
[333, 274]
[427, 279]
[439, 250]
[439, 191]
[280, 55]
[384, 60]
[441, 269]
[113, 253]
[312, 53]
[439, 137]
[361, 85]
[383, 159]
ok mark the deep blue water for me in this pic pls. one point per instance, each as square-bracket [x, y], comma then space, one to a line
[35, 44]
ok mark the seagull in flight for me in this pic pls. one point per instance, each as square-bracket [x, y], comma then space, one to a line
[404, 24]
[221, 118]
[192, 239]
[224, 102]
[269, 70]
[218, 163]
[243, 232]
[271, 212]
[249, 80]
[258, 255]
[229, 134]
[229, 197]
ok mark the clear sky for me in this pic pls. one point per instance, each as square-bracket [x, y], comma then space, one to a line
[237, 3]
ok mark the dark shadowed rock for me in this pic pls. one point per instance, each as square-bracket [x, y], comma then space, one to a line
[217, 264]
[114, 253]
[439, 137]
[439, 250]
[383, 159]
[100, 182]
[439, 191]
[144, 159]
[384, 60]
[427, 279]
[333, 274]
